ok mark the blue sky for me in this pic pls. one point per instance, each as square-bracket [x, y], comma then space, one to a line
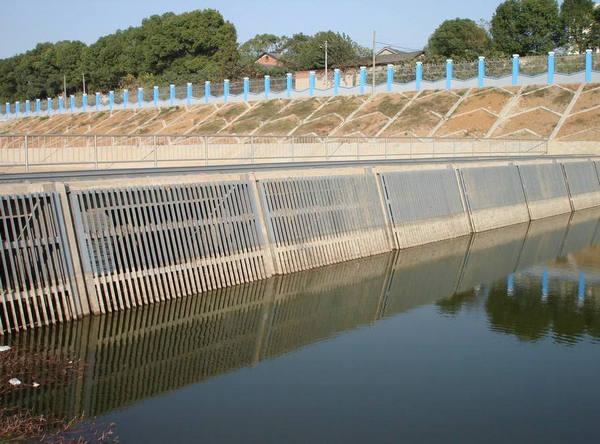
[405, 23]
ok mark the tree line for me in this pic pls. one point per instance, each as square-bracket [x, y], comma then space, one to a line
[201, 45]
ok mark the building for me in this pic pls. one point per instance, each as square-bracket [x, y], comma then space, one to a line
[269, 60]
[388, 55]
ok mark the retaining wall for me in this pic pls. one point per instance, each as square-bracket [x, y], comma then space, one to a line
[584, 186]
[85, 247]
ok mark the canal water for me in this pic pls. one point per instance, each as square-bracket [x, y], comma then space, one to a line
[489, 338]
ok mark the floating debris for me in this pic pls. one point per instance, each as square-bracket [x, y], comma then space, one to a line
[4, 348]
[35, 385]
[14, 381]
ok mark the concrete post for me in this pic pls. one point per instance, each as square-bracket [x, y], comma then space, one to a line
[84, 102]
[155, 93]
[140, 97]
[550, 67]
[125, 98]
[246, 88]
[289, 79]
[189, 94]
[419, 76]
[171, 94]
[98, 101]
[481, 72]
[60, 104]
[38, 106]
[510, 284]
[17, 108]
[111, 100]
[27, 107]
[207, 91]
[267, 86]
[390, 77]
[336, 81]
[588, 65]
[72, 103]
[515, 69]
[362, 80]
[449, 69]
[49, 102]
[225, 90]
[545, 283]
[311, 83]
[581, 286]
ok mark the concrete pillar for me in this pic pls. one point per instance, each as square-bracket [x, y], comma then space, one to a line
[98, 101]
[207, 91]
[581, 287]
[125, 98]
[246, 88]
[449, 69]
[60, 104]
[510, 284]
[140, 97]
[171, 94]
[190, 93]
[545, 284]
[38, 106]
[515, 69]
[311, 83]
[84, 102]
[111, 100]
[550, 67]
[390, 77]
[155, 93]
[588, 65]
[267, 86]
[17, 108]
[225, 90]
[419, 76]
[336, 81]
[362, 80]
[289, 80]
[49, 102]
[27, 107]
[72, 103]
[481, 72]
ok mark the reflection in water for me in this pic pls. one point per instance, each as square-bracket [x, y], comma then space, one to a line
[136, 354]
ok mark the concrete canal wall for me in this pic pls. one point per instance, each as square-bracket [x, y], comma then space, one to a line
[74, 247]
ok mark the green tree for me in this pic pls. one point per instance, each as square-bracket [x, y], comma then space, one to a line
[260, 43]
[526, 27]
[595, 40]
[459, 39]
[577, 21]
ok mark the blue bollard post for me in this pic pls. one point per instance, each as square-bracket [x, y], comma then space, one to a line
[588, 65]
[449, 66]
[362, 80]
[111, 100]
[207, 91]
[27, 107]
[49, 104]
[60, 104]
[7, 109]
[311, 83]
[98, 101]
[171, 94]
[246, 88]
[140, 97]
[125, 98]
[390, 77]
[17, 108]
[267, 86]
[419, 76]
[84, 102]
[545, 284]
[38, 106]
[72, 103]
[225, 90]
[581, 287]
[155, 96]
[550, 67]
[481, 72]
[510, 284]
[336, 81]
[189, 94]
[289, 80]
[515, 69]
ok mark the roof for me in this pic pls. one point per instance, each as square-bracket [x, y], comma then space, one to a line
[395, 57]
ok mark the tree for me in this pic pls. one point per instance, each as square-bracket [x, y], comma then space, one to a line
[260, 43]
[595, 40]
[577, 22]
[459, 39]
[526, 27]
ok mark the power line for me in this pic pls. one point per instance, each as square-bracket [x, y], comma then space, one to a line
[403, 48]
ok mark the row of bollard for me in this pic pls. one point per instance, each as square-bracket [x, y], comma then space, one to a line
[289, 87]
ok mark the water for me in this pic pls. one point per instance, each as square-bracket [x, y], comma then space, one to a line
[489, 338]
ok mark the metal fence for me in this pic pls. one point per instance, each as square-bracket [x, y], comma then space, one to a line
[59, 152]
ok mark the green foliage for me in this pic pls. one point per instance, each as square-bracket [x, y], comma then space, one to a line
[260, 43]
[459, 39]
[577, 22]
[526, 27]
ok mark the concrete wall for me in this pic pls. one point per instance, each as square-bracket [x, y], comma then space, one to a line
[545, 190]
[114, 244]
[584, 186]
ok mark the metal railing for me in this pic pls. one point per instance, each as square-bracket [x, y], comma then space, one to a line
[27, 152]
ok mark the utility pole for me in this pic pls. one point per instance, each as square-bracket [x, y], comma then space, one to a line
[326, 77]
[373, 73]
[83, 82]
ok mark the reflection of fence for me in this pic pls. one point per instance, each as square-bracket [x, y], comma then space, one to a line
[501, 72]
[30, 152]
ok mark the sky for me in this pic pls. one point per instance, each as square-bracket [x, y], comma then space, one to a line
[404, 23]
